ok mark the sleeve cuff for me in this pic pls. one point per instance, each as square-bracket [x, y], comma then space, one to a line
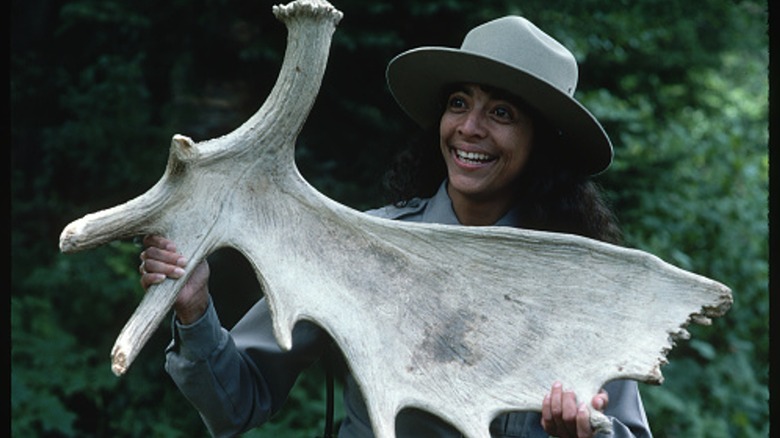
[198, 340]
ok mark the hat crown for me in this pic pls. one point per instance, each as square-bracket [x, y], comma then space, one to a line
[517, 42]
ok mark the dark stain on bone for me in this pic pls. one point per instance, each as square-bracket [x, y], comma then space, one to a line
[448, 342]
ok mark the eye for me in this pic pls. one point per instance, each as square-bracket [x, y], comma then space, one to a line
[504, 112]
[456, 102]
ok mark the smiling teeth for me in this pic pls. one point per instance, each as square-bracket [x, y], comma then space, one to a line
[473, 156]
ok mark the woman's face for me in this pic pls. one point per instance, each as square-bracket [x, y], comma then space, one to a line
[485, 141]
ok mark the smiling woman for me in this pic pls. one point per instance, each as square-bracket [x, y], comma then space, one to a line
[485, 142]
[513, 139]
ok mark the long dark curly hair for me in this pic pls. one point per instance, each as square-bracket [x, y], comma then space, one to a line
[551, 193]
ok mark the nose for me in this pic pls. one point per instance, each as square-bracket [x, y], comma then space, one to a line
[472, 124]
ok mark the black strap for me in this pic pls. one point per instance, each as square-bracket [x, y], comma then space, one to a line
[329, 365]
[328, 401]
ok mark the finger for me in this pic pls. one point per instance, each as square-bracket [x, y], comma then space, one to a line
[600, 401]
[162, 256]
[569, 413]
[148, 279]
[548, 424]
[556, 409]
[555, 400]
[157, 241]
[164, 267]
[583, 422]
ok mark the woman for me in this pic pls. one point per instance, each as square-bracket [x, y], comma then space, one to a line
[514, 148]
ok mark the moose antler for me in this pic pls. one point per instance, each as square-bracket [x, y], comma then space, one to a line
[463, 322]
[211, 186]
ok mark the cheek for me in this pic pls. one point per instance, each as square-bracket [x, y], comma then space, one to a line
[445, 131]
[520, 150]
[445, 126]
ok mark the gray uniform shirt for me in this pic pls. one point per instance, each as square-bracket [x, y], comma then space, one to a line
[238, 379]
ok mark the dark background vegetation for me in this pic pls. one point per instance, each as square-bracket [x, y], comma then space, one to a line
[98, 88]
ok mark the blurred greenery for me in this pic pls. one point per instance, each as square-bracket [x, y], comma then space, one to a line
[98, 87]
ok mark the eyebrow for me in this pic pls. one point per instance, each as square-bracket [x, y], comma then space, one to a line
[494, 93]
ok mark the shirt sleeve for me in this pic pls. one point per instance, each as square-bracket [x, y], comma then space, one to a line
[238, 379]
[626, 410]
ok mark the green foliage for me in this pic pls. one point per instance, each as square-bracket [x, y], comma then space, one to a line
[691, 185]
[303, 415]
[98, 87]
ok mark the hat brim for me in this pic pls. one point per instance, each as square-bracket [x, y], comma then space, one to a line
[416, 79]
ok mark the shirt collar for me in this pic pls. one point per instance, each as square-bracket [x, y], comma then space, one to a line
[439, 210]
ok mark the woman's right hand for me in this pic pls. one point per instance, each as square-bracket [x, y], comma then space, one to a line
[161, 260]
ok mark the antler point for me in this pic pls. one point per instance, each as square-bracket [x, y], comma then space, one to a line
[311, 7]
[118, 363]
[182, 141]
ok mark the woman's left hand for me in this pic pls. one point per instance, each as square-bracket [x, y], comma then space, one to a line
[562, 417]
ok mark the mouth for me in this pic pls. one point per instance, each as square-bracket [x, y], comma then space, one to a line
[472, 158]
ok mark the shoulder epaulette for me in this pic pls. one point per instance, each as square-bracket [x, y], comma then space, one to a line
[391, 211]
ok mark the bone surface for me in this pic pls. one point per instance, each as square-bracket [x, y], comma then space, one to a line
[463, 322]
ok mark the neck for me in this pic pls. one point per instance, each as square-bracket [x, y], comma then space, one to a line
[479, 211]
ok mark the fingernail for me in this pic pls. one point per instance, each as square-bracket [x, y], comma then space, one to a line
[181, 261]
[157, 278]
[557, 385]
[178, 272]
[583, 408]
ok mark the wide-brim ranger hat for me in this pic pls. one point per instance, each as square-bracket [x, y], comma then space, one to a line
[513, 55]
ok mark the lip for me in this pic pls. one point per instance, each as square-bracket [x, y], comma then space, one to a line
[471, 159]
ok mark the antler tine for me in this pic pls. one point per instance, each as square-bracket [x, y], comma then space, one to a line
[272, 130]
[310, 25]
